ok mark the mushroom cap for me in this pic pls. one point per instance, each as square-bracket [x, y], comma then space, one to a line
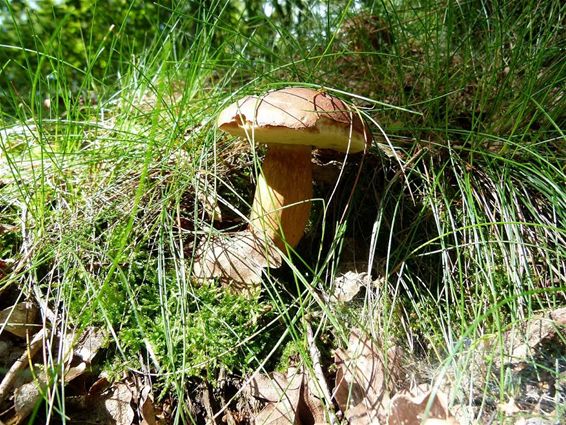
[297, 116]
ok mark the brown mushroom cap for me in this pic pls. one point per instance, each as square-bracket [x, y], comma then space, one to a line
[296, 116]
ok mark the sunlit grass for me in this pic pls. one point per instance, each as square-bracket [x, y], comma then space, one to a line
[460, 217]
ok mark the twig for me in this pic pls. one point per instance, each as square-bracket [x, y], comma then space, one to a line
[228, 417]
[207, 402]
[318, 374]
[21, 363]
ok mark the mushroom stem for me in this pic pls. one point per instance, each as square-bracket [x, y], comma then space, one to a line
[281, 205]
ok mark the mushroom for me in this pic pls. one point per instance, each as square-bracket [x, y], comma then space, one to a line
[291, 121]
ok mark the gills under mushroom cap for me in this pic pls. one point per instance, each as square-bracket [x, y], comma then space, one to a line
[296, 116]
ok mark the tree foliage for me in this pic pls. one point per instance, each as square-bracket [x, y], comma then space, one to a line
[47, 45]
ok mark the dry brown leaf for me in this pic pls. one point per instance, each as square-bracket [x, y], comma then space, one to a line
[283, 412]
[559, 316]
[435, 421]
[74, 372]
[21, 364]
[509, 408]
[359, 378]
[90, 342]
[20, 319]
[412, 408]
[364, 379]
[99, 386]
[7, 228]
[118, 404]
[349, 284]
[312, 397]
[361, 415]
[294, 397]
[524, 340]
[82, 351]
[285, 393]
[237, 260]
[5, 267]
[395, 379]
[270, 387]
[146, 406]
[25, 399]
[27, 395]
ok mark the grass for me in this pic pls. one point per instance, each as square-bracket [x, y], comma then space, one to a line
[459, 215]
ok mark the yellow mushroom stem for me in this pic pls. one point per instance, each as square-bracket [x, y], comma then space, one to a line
[282, 200]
